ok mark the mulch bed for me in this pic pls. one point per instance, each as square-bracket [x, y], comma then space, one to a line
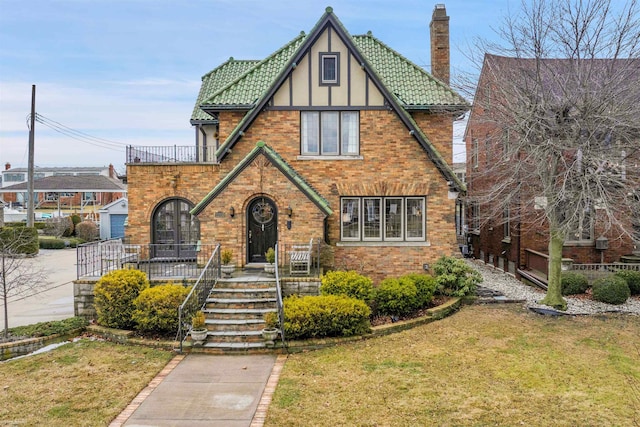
[385, 320]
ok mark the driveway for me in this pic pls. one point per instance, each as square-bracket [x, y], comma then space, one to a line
[54, 301]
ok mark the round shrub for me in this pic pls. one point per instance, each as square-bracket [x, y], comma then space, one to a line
[397, 297]
[325, 316]
[632, 278]
[455, 277]
[573, 283]
[348, 283]
[426, 286]
[611, 289]
[156, 309]
[19, 240]
[114, 294]
[87, 231]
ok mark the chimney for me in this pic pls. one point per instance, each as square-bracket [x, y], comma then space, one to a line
[440, 62]
[7, 166]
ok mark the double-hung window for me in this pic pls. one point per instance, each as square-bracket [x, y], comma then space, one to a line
[383, 219]
[330, 133]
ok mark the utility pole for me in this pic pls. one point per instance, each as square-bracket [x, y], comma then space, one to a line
[30, 174]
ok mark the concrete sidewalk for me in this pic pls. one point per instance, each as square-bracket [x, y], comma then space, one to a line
[206, 390]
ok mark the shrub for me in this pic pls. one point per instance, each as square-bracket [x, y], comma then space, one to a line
[73, 242]
[57, 226]
[426, 286]
[87, 230]
[397, 297]
[114, 295]
[348, 283]
[52, 244]
[53, 327]
[69, 226]
[270, 256]
[611, 289]
[455, 277]
[325, 316]
[632, 278]
[573, 283]
[19, 240]
[226, 256]
[156, 309]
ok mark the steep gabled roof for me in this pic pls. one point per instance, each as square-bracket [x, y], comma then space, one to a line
[278, 162]
[404, 85]
[217, 79]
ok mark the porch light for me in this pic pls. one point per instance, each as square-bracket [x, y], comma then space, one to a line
[289, 211]
[232, 212]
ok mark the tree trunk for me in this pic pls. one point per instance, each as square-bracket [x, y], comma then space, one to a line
[554, 291]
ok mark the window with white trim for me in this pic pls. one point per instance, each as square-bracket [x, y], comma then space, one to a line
[329, 63]
[386, 219]
[330, 133]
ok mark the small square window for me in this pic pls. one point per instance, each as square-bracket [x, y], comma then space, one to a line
[329, 72]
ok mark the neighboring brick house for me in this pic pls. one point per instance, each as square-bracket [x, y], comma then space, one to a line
[519, 243]
[333, 137]
[65, 187]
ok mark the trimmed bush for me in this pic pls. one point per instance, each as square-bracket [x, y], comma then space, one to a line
[455, 278]
[348, 283]
[19, 240]
[325, 316]
[573, 283]
[52, 244]
[87, 231]
[156, 309]
[114, 295]
[397, 297]
[611, 289]
[426, 286]
[632, 278]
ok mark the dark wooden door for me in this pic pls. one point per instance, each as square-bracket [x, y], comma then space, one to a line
[262, 220]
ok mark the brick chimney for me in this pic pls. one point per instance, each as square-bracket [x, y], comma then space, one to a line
[7, 166]
[440, 59]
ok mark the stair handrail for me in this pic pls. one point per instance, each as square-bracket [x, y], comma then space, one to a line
[279, 302]
[197, 297]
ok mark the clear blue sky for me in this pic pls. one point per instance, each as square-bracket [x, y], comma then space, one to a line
[128, 71]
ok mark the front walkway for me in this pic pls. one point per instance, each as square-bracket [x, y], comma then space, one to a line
[207, 390]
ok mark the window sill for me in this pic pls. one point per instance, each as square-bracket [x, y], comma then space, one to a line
[303, 157]
[585, 243]
[379, 244]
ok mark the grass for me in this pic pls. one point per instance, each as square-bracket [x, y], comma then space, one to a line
[85, 383]
[485, 365]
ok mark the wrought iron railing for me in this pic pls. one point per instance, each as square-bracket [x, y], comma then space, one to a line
[198, 295]
[170, 154]
[159, 261]
[279, 300]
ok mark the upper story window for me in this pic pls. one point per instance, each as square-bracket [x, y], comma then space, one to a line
[330, 133]
[329, 68]
[14, 177]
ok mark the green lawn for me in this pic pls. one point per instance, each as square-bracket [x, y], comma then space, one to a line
[86, 383]
[485, 365]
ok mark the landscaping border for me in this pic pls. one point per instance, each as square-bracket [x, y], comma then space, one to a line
[11, 349]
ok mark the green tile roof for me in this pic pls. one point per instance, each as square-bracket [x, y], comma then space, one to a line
[277, 161]
[217, 79]
[411, 84]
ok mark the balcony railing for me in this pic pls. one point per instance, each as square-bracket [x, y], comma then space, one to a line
[171, 154]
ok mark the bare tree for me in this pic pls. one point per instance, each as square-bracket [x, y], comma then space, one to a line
[558, 103]
[18, 278]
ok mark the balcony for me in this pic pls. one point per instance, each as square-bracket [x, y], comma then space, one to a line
[170, 154]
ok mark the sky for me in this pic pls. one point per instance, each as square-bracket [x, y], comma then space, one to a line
[112, 73]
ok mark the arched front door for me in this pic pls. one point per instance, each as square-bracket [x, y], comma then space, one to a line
[175, 230]
[262, 228]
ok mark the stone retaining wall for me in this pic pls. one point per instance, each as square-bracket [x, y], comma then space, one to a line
[9, 350]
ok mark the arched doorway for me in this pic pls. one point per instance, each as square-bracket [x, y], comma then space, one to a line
[262, 228]
[175, 232]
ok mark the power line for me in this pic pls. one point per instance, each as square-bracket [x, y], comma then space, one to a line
[78, 135]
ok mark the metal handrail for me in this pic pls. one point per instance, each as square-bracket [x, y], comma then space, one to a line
[279, 302]
[198, 295]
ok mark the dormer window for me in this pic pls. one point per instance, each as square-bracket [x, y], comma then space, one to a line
[329, 63]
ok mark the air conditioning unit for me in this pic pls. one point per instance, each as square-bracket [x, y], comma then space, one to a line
[602, 243]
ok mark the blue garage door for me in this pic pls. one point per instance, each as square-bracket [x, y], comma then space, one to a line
[117, 226]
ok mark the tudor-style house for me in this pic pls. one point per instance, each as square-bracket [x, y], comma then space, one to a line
[514, 236]
[333, 137]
